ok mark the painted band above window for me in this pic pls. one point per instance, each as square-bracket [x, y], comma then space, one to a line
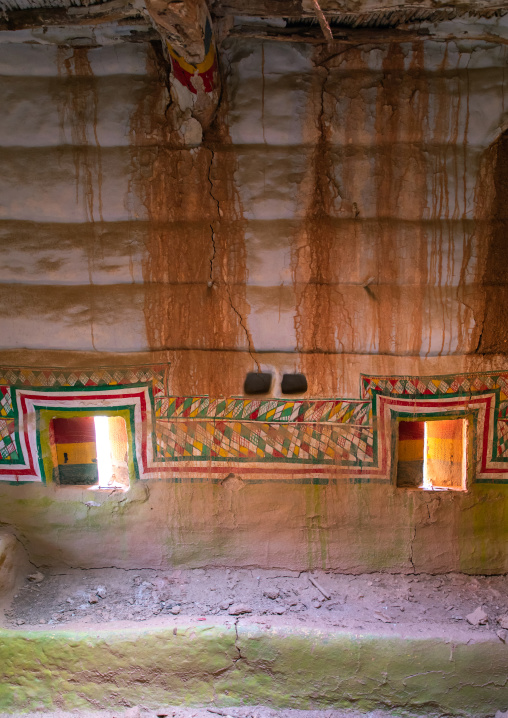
[198, 437]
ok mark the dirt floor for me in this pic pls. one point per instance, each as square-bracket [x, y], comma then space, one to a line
[415, 604]
[177, 712]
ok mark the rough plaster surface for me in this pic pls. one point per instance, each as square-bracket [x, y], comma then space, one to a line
[240, 662]
[336, 219]
[286, 525]
[201, 712]
[13, 565]
[341, 191]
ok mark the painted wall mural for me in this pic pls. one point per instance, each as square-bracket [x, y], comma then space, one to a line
[202, 438]
[185, 71]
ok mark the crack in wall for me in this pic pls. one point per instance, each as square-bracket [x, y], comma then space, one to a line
[79, 112]
[212, 258]
[22, 544]
[411, 549]
[237, 639]
[224, 279]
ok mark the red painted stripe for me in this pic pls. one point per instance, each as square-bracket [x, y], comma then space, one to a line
[75, 430]
[410, 430]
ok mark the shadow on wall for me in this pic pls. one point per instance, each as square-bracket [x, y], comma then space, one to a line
[492, 217]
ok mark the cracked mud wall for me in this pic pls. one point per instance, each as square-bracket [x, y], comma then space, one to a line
[330, 221]
[492, 193]
[194, 264]
[229, 666]
[331, 210]
[294, 526]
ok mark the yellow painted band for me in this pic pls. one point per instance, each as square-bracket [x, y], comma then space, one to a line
[444, 449]
[83, 453]
[192, 69]
[411, 450]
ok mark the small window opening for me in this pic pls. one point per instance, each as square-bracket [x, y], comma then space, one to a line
[432, 454]
[90, 451]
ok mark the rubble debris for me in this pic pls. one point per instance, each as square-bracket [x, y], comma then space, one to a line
[63, 598]
[37, 577]
[238, 608]
[319, 588]
[478, 617]
[503, 621]
[381, 617]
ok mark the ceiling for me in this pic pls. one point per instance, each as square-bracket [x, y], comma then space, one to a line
[280, 19]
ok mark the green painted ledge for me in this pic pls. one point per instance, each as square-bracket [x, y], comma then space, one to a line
[283, 666]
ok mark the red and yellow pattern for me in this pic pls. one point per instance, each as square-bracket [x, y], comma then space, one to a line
[76, 450]
[185, 71]
[411, 450]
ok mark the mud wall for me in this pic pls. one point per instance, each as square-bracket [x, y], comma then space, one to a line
[342, 215]
[333, 207]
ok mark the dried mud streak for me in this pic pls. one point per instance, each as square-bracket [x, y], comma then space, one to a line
[452, 109]
[79, 111]
[324, 321]
[195, 245]
[400, 169]
[493, 337]
[320, 316]
[218, 136]
[466, 336]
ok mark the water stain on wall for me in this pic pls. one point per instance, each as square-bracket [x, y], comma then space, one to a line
[78, 108]
[195, 265]
[389, 184]
[335, 314]
[492, 212]
[401, 172]
[450, 127]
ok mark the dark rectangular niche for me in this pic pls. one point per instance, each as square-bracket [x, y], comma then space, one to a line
[294, 384]
[257, 383]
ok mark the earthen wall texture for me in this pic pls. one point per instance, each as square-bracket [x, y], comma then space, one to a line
[344, 214]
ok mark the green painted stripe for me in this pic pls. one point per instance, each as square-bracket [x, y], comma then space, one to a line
[78, 474]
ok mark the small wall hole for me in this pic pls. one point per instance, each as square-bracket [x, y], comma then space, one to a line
[294, 384]
[257, 383]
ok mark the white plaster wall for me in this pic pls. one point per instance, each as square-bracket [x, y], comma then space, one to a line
[274, 107]
[73, 228]
[72, 249]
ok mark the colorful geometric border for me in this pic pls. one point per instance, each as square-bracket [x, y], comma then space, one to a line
[434, 386]
[155, 374]
[27, 404]
[259, 441]
[175, 437]
[336, 411]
